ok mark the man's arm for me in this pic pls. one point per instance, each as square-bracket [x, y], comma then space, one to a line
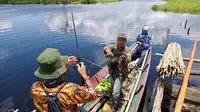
[150, 39]
[82, 93]
[138, 40]
[147, 45]
[108, 50]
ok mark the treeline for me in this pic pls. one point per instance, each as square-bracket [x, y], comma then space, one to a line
[47, 1]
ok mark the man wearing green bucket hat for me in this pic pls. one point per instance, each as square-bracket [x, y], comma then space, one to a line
[54, 94]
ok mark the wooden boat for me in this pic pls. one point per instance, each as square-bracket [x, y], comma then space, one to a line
[136, 85]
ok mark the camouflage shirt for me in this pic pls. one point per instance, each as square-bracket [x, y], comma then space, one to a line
[117, 52]
[70, 95]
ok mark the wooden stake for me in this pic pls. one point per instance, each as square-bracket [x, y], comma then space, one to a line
[167, 40]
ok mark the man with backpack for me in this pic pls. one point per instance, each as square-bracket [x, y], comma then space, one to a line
[53, 94]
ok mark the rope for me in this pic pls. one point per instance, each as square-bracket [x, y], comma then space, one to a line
[92, 62]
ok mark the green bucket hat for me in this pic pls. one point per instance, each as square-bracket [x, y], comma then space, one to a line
[51, 64]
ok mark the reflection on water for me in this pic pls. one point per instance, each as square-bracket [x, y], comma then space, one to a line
[5, 22]
[7, 104]
[26, 30]
[59, 22]
[5, 26]
[107, 22]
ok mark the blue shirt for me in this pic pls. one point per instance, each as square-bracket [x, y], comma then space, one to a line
[145, 40]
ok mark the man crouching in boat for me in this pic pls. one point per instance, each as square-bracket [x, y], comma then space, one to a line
[144, 42]
[119, 72]
[53, 94]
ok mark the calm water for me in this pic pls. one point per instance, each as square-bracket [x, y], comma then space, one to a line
[26, 30]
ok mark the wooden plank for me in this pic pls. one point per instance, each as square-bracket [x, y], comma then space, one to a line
[195, 72]
[98, 105]
[189, 105]
[168, 105]
[184, 59]
[94, 103]
[192, 94]
[158, 97]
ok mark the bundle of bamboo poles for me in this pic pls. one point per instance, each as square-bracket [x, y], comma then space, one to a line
[171, 62]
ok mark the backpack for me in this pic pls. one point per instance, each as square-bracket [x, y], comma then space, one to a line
[54, 104]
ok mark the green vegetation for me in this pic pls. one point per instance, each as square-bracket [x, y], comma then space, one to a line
[55, 1]
[34, 1]
[179, 6]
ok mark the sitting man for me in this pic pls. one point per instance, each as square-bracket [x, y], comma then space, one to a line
[144, 42]
[53, 94]
[122, 52]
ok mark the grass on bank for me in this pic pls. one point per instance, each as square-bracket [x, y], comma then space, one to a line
[55, 1]
[179, 6]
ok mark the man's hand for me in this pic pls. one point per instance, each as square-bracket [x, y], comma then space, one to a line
[82, 70]
[139, 43]
[109, 53]
[123, 56]
[33, 110]
[72, 60]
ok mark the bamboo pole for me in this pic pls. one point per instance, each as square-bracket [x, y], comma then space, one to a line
[181, 96]
[184, 58]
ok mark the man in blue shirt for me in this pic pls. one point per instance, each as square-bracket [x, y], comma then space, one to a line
[144, 42]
